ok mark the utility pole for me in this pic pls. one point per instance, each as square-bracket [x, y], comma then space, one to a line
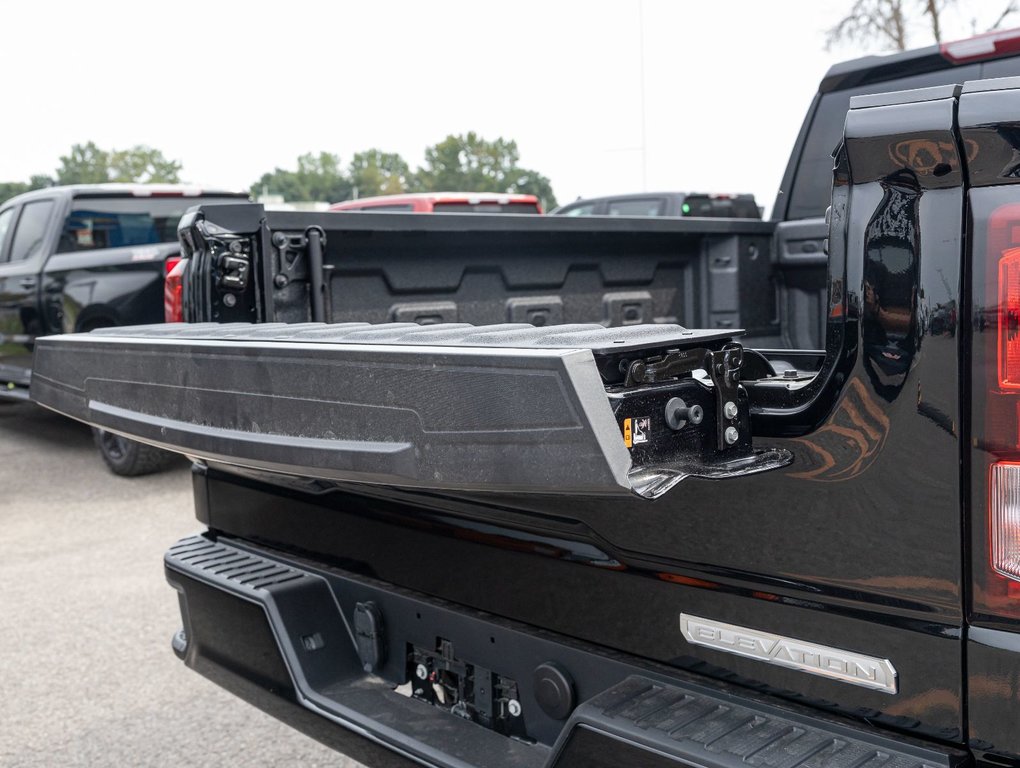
[641, 59]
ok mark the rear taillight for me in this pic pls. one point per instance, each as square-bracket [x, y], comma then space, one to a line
[995, 395]
[1004, 516]
[170, 263]
[173, 291]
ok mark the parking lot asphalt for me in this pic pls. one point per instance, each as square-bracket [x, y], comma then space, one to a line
[86, 671]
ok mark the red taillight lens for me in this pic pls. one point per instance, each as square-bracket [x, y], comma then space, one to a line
[1004, 248]
[1009, 319]
[170, 263]
[173, 291]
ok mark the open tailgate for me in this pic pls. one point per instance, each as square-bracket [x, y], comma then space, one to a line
[562, 409]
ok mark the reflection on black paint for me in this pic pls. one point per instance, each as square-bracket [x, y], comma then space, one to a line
[889, 322]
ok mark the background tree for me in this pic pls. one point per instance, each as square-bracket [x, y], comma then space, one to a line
[375, 172]
[318, 177]
[9, 189]
[465, 163]
[88, 164]
[84, 164]
[469, 163]
[143, 165]
[889, 23]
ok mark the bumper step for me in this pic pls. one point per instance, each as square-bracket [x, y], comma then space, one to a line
[627, 714]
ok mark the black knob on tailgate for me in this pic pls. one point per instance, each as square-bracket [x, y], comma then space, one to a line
[678, 413]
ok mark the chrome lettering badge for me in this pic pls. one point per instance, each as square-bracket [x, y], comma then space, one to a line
[845, 666]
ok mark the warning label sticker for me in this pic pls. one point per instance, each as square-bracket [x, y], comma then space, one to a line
[637, 431]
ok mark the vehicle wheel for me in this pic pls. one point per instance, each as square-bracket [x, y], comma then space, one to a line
[128, 458]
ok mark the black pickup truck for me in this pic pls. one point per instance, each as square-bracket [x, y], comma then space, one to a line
[74, 258]
[578, 545]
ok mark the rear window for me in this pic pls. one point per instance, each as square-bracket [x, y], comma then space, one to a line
[720, 207]
[484, 208]
[394, 207]
[588, 209]
[117, 222]
[646, 206]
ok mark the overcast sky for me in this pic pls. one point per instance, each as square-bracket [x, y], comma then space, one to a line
[235, 89]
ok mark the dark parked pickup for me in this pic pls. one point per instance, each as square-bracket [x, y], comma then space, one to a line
[665, 204]
[81, 257]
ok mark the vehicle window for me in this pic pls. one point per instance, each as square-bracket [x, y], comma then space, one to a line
[649, 206]
[5, 224]
[1001, 68]
[394, 207]
[813, 183]
[95, 223]
[588, 209]
[28, 235]
[720, 207]
[484, 208]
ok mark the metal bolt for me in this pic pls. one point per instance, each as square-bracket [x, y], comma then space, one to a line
[235, 246]
[696, 414]
[280, 281]
[230, 300]
[421, 672]
[730, 410]
[514, 708]
[732, 435]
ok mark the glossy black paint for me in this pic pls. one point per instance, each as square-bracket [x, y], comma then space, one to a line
[993, 683]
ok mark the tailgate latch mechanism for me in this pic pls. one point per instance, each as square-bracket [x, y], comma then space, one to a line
[723, 369]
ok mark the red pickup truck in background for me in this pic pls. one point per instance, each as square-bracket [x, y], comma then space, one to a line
[445, 202]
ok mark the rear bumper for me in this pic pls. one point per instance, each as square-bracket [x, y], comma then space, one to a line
[291, 637]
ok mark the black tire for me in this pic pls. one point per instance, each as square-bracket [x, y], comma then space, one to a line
[128, 458]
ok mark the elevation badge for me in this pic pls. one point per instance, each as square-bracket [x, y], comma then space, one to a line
[834, 663]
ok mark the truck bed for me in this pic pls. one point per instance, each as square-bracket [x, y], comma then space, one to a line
[396, 267]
